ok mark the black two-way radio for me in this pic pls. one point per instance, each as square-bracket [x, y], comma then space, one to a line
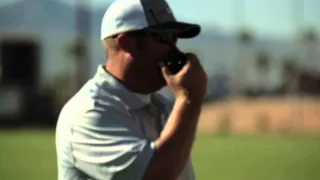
[175, 59]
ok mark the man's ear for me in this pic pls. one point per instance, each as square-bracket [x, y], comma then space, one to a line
[126, 43]
[130, 44]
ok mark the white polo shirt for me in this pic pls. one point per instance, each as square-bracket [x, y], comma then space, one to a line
[106, 132]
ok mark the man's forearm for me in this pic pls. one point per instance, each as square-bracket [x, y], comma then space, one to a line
[175, 142]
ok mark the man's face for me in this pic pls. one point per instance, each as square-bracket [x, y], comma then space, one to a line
[152, 49]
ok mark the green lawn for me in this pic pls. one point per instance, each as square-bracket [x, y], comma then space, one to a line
[31, 155]
[257, 158]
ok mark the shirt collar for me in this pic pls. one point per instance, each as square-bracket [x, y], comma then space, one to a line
[146, 98]
[113, 86]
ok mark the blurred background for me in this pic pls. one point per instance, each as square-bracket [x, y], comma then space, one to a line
[261, 117]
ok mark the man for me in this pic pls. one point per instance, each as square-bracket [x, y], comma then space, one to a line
[116, 126]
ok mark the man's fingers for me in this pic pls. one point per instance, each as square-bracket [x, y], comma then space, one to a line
[164, 69]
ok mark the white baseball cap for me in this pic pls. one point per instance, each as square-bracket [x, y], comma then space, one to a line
[130, 15]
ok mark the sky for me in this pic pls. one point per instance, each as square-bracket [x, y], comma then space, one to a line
[263, 17]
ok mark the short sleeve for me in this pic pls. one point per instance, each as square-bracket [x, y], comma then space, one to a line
[107, 144]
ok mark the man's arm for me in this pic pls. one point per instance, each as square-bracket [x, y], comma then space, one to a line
[175, 142]
[174, 145]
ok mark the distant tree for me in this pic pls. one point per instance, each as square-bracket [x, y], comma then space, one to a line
[244, 38]
[290, 73]
[75, 50]
[263, 65]
[310, 36]
[310, 42]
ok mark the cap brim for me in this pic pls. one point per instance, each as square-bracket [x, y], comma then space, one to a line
[183, 30]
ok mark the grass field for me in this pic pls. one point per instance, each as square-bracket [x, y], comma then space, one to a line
[31, 155]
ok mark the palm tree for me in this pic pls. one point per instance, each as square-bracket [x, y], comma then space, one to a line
[309, 39]
[75, 49]
[263, 65]
[310, 36]
[83, 27]
[245, 38]
[290, 74]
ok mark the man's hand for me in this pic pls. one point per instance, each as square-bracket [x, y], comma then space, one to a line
[190, 82]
